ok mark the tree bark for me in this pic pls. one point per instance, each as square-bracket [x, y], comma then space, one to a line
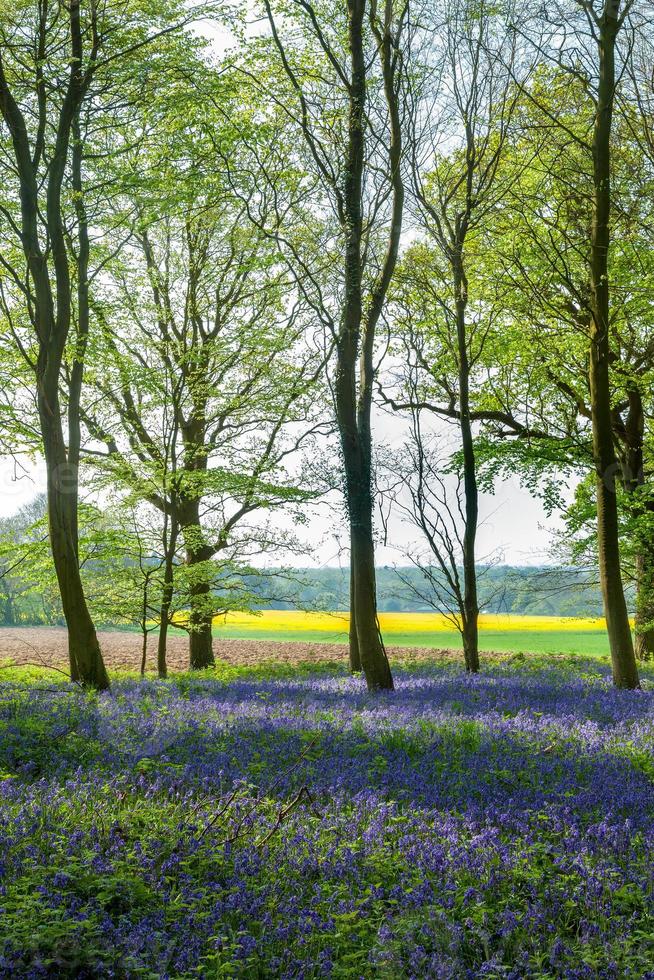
[629, 438]
[355, 657]
[625, 671]
[85, 657]
[169, 540]
[198, 553]
[162, 642]
[373, 658]
[470, 637]
[50, 311]
[201, 653]
[471, 491]
[164, 619]
[144, 651]
[355, 334]
[644, 620]
[356, 344]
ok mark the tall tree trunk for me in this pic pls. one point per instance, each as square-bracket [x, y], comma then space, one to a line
[169, 540]
[356, 332]
[355, 657]
[357, 464]
[629, 435]
[373, 658]
[162, 641]
[144, 618]
[144, 651]
[198, 554]
[201, 653]
[470, 637]
[50, 309]
[164, 619]
[471, 492]
[86, 663]
[625, 671]
[644, 621]
[355, 345]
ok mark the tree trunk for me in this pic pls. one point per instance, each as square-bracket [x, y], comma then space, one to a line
[86, 663]
[355, 658]
[162, 641]
[201, 620]
[353, 415]
[170, 534]
[164, 619]
[144, 651]
[625, 672]
[644, 621]
[470, 637]
[471, 491]
[373, 658]
[201, 642]
[369, 644]
[50, 310]
[357, 463]
[144, 621]
[629, 437]
[198, 554]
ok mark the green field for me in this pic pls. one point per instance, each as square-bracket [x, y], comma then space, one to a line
[585, 642]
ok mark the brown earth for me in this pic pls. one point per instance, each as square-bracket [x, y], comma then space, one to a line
[46, 646]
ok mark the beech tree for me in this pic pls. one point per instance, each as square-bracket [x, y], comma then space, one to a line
[466, 106]
[333, 77]
[206, 395]
[542, 394]
[605, 21]
[61, 69]
[577, 40]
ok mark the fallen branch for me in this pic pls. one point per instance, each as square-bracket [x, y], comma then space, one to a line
[284, 812]
[248, 813]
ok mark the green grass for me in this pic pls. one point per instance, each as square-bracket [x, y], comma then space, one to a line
[584, 642]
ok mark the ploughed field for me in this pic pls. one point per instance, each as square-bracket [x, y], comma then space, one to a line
[282, 822]
[48, 647]
[295, 637]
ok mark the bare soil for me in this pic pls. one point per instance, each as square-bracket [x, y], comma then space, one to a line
[47, 646]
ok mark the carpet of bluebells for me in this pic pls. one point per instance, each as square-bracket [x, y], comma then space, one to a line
[292, 825]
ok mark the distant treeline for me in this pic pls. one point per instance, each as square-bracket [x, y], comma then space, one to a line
[536, 591]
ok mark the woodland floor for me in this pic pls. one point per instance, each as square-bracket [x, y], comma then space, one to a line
[282, 822]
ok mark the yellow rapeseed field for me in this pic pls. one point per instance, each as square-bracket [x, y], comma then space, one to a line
[283, 620]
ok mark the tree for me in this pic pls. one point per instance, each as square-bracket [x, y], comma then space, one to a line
[61, 71]
[584, 73]
[207, 391]
[429, 493]
[606, 25]
[467, 106]
[337, 82]
[596, 26]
